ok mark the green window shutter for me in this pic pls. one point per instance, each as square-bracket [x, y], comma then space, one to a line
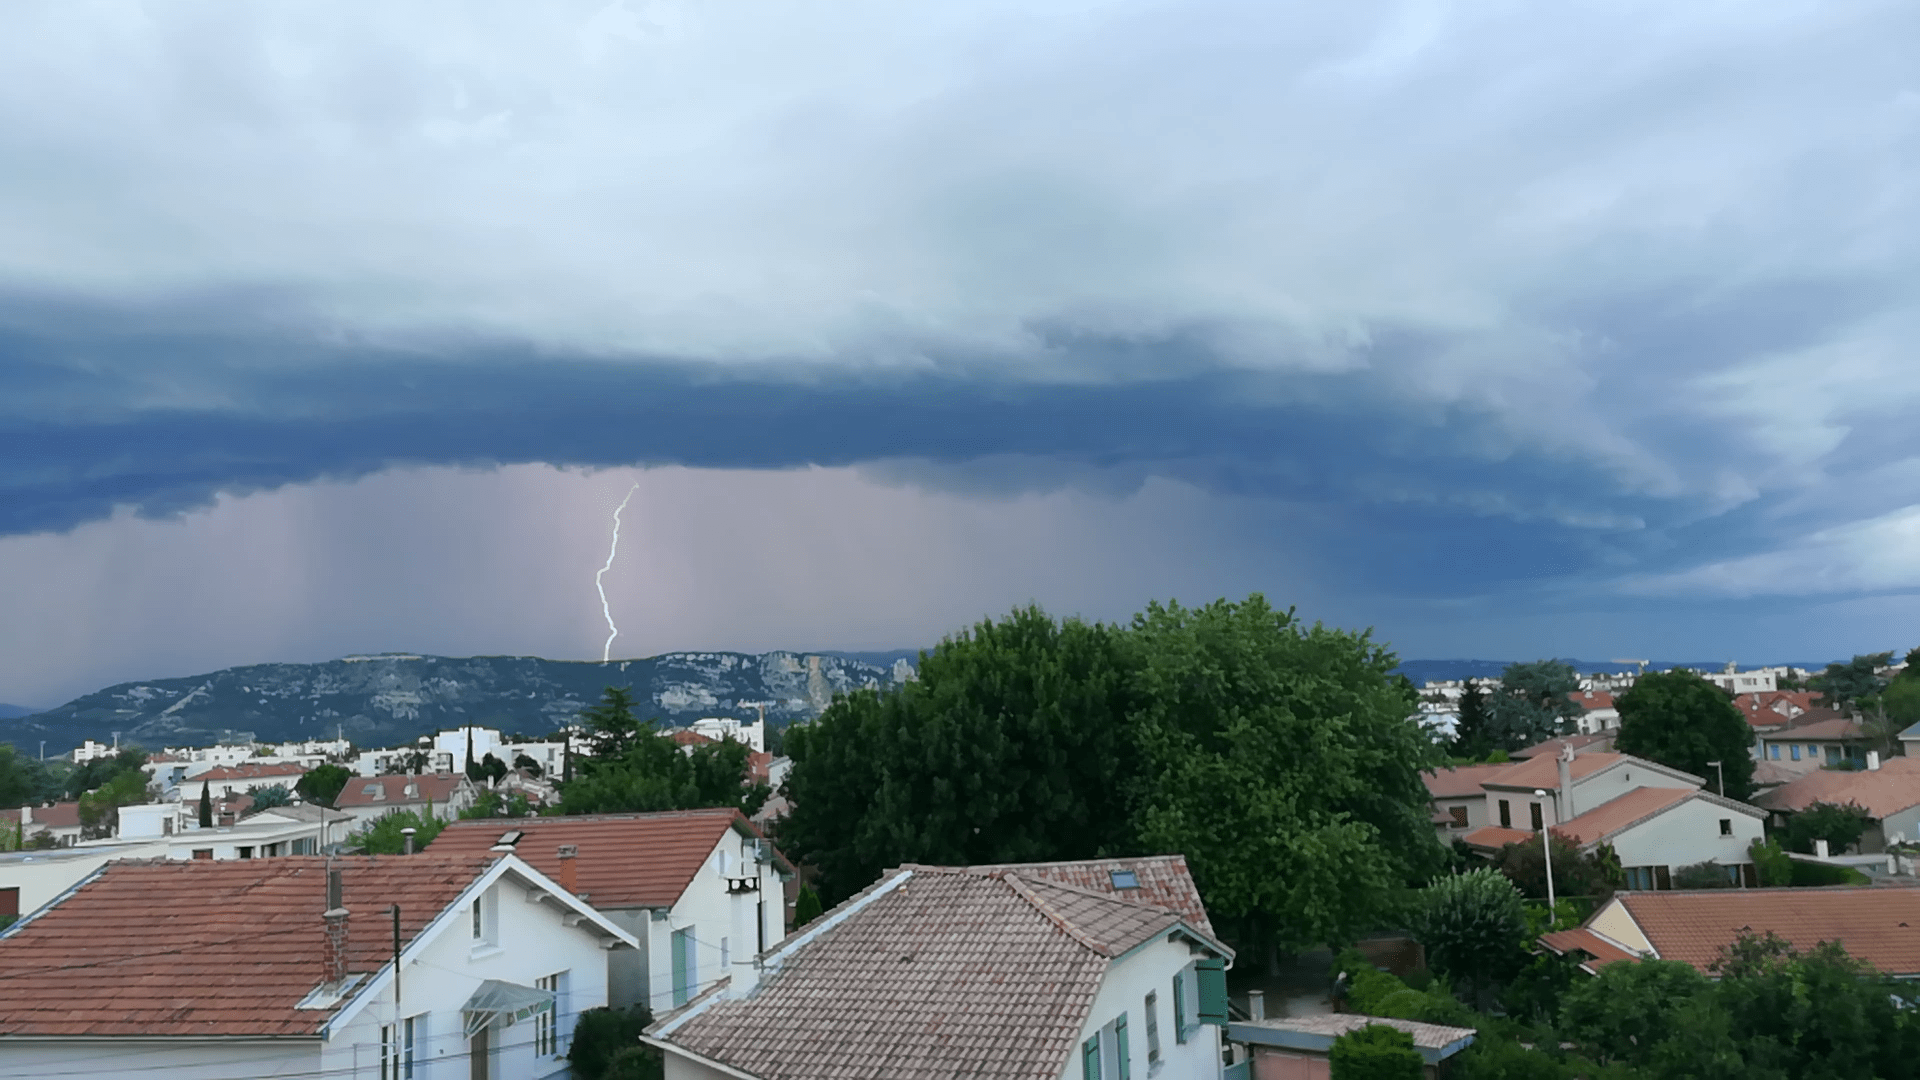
[682, 978]
[1121, 1055]
[1090, 1058]
[1211, 973]
[1179, 1009]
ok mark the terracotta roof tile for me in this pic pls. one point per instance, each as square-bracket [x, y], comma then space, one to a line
[1544, 771]
[1591, 699]
[1891, 788]
[1460, 781]
[1495, 837]
[954, 972]
[1617, 814]
[168, 947]
[1164, 882]
[624, 860]
[688, 737]
[1602, 951]
[1831, 725]
[392, 790]
[1580, 743]
[64, 815]
[1878, 925]
[275, 771]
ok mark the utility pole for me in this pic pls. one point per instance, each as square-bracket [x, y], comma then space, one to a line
[1546, 849]
[1723, 777]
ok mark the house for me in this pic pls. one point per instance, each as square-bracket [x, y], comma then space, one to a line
[1582, 744]
[698, 889]
[1766, 711]
[1694, 926]
[1887, 790]
[1657, 819]
[369, 798]
[1598, 713]
[289, 967]
[59, 821]
[1817, 738]
[937, 972]
[1297, 1048]
[223, 781]
[1910, 741]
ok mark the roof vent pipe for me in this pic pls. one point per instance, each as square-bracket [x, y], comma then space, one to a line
[406, 840]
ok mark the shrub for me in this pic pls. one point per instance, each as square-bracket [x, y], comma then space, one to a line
[1772, 865]
[1375, 1052]
[1840, 826]
[1473, 926]
[601, 1037]
[1813, 875]
[635, 1063]
[1706, 875]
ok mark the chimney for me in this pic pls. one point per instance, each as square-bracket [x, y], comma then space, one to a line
[1873, 761]
[1256, 1005]
[26, 817]
[1565, 811]
[569, 878]
[406, 840]
[335, 956]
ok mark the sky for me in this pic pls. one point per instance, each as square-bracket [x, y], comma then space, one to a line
[1505, 329]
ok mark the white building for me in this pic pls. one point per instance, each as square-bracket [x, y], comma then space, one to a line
[718, 728]
[699, 889]
[1016, 970]
[496, 962]
[443, 795]
[1733, 681]
[91, 751]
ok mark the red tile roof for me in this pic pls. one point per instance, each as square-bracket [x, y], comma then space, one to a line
[65, 815]
[1878, 925]
[1819, 724]
[1891, 788]
[624, 860]
[392, 790]
[1494, 837]
[1602, 741]
[1544, 772]
[276, 771]
[203, 948]
[1592, 699]
[1579, 938]
[1165, 882]
[1622, 812]
[689, 737]
[1776, 708]
[932, 973]
[1460, 781]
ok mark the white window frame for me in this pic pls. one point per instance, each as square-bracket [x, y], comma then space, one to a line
[546, 1025]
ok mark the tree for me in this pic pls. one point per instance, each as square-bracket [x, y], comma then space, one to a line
[206, 806]
[1473, 926]
[23, 781]
[1011, 746]
[266, 798]
[1375, 1052]
[1533, 704]
[1473, 736]
[611, 726]
[100, 808]
[1629, 1009]
[323, 783]
[1282, 760]
[643, 770]
[526, 764]
[1575, 873]
[806, 907]
[474, 772]
[383, 836]
[1844, 686]
[1683, 721]
[490, 804]
[1841, 826]
[493, 768]
[100, 772]
[600, 1035]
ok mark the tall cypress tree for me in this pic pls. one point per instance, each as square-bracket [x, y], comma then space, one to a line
[206, 806]
[1472, 734]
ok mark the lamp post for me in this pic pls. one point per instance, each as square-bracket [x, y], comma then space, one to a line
[1546, 849]
[1723, 777]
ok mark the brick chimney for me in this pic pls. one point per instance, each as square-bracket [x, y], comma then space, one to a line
[334, 957]
[569, 878]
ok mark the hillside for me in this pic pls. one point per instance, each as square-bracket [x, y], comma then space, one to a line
[384, 700]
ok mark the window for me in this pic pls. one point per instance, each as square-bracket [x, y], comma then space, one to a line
[302, 846]
[246, 852]
[546, 1025]
[1795, 748]
[726, 956]
[1124, 879]
[9, 901]
[1090, 1059]
[1726, 826]
[389, 1052]
[483, 919]
[413, 1034]
[1179, 1008]
[1538, 821]
[474, 913]
[203, 853]
[1833, 755]
[1152, 1009]
[1506, 815]
[1458, 816]
[686, 966]
[1640, 878]
[1773, 751]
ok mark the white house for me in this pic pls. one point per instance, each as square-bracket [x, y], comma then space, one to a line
[60, 821]
[495, 962]
[369, 798]
[699, 889]
[1889, 791]
[971, 971]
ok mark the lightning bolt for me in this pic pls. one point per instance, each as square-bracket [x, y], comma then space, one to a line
[606, 651]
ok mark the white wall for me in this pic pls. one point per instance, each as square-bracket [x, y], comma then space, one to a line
[1149, 969]
[1689, 834]
[1477, 814]
[1609, 784]
[713, 914]
[184, 1059]
[533, 943]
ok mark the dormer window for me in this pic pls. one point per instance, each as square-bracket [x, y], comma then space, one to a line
[1124, 879]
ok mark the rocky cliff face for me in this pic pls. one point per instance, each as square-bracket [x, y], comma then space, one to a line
[387, 699]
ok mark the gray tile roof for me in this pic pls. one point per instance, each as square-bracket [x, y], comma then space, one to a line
[933, 972]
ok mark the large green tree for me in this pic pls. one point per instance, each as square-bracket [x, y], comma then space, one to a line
[1473, 734]
[636, 768]
[1283, 760]
[1625, 1013]
[1473, 926]
[1681, 720]
[1011, 745]
[323, 783]
[1847, 686]
[1533, 703]
[23, 780]
[1841, 825]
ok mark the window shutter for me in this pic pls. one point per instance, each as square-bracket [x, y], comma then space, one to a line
[1090, 1059]
[1122, 1056]
[1179, 1010]
[1211, 973]
[1662, 877]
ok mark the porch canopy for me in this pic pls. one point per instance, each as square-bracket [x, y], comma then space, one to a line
[503, 1001]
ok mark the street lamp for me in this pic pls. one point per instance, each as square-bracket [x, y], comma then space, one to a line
[1546, 849]
[1723, 777]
